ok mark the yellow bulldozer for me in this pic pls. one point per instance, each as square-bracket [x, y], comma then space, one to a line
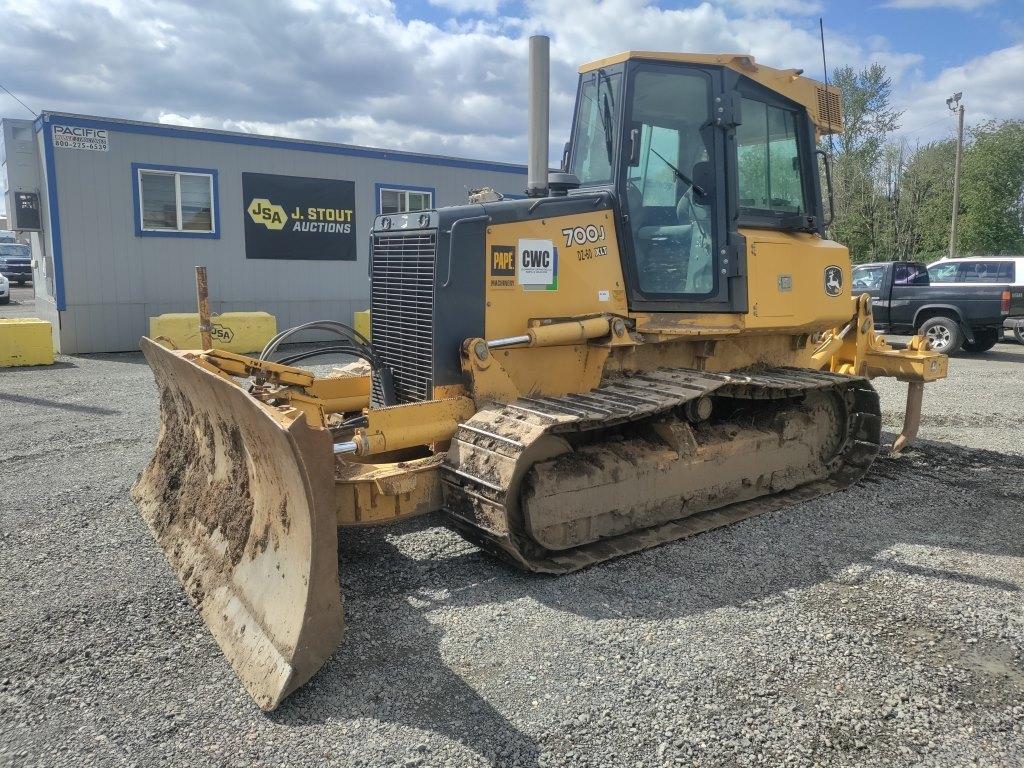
[657, 341]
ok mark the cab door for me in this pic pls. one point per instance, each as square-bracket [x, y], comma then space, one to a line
[670, 185]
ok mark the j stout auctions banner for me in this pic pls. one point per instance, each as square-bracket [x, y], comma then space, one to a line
[291, 217]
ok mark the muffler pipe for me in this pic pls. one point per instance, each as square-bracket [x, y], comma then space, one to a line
[540, 83]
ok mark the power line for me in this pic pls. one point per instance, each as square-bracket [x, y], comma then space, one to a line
[26, 106]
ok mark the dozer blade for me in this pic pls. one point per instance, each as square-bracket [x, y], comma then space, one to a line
[240, 498]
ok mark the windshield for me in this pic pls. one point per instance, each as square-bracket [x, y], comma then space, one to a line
[15, 250]
[867, 278]
[594, 141]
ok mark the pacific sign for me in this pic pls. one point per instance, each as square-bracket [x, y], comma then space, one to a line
[77, 137]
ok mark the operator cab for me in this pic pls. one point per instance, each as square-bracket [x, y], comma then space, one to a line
[694, 148]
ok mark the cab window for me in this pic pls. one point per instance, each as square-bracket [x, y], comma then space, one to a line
[867, 278]
[595, 136]
[944, 272]
[768, 160]
[669, 182]
[910, 274]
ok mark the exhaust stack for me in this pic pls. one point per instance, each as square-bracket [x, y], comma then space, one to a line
[540, 76]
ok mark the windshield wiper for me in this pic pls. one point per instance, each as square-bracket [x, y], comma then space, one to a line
[682, 176]
[606, 113]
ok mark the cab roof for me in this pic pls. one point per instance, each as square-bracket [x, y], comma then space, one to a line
[823, 103]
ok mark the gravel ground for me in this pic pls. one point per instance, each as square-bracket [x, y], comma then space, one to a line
[21, 304]
[878, 626]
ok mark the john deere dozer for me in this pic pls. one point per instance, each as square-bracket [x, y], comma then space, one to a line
[658, 341]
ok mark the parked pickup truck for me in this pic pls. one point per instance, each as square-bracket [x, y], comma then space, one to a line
[950, 316]
[16, 262]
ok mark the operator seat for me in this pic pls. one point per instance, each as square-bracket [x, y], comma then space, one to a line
[690, 237]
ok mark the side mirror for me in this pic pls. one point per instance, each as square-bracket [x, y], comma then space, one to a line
[565, 157]
[634, 147]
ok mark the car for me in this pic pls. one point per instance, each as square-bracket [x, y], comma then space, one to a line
[5, 290]
[952, 316]
[16, 262]
[6, 236]
[983, 270]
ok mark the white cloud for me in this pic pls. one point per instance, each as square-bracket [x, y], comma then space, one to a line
[963, 5]
[489, 7]
[354, 71]
[771, 7]
[993, 88]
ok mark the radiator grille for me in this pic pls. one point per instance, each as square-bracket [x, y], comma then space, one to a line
[402, 311]
[830, 108]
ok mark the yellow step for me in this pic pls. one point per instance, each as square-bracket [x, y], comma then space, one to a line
[232, 331]
[361, 322]
[25, 341]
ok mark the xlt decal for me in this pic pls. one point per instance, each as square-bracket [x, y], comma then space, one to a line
[503, 266]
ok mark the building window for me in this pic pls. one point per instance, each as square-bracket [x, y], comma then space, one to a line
[403, 199]
[177, 202]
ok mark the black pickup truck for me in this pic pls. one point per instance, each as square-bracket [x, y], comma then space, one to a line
[951, 316]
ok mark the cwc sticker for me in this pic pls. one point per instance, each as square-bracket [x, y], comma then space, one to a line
[833, 280]
[537, 265]
[503, 266]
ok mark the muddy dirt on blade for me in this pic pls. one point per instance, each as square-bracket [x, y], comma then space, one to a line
[239, 495]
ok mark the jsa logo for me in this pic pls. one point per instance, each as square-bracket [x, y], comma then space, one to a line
[264, 212]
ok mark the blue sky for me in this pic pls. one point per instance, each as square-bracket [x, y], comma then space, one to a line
[944, 36]
[448, 76]
[943, 33]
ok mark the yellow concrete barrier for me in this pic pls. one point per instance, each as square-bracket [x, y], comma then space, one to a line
[361, 322]
[232, 331]
[25, 341]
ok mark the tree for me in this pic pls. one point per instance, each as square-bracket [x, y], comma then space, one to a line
[927, 197]
[992, 218]
[868, 119]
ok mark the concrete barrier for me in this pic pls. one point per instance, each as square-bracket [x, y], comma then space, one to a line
[361, 322]
[25, 341]
[232, 331]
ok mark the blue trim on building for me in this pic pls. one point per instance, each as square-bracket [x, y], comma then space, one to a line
[137, 202]
[53, 208]
[199, 134]
[402, 188]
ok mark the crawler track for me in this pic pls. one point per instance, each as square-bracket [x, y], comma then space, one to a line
[496, 458]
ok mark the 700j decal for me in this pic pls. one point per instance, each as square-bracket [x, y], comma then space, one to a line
[592, 233]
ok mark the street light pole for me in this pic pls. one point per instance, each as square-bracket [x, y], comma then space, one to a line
[953, 102]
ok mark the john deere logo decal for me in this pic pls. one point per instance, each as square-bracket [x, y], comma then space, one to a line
[833, 280]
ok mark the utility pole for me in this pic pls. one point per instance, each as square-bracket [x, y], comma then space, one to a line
[953, 102]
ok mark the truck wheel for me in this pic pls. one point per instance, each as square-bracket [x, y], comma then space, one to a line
[984, 340]
[1018, 333]
[943, 333]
